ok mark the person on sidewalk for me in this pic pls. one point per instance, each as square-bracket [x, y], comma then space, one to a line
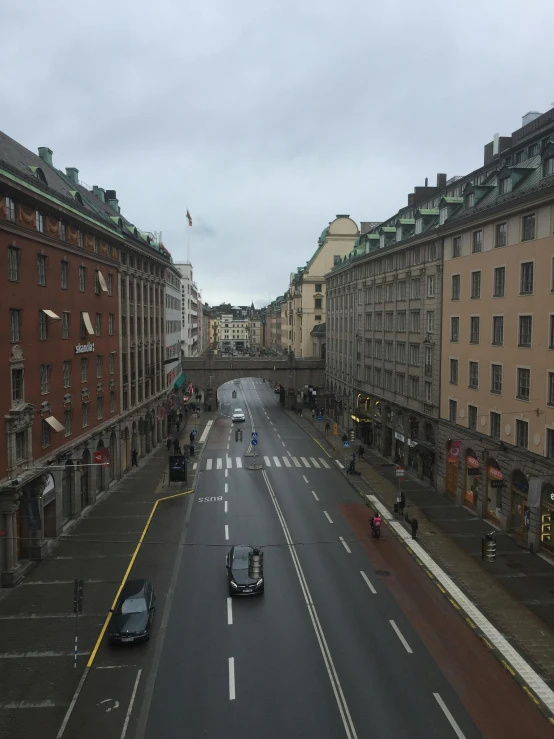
[361, 452]
[344, 437]
[191, 436]
[168, 443]
[134, 458]
[313, 414]
[402, 503]
[415, 526]
[191, 449]
[176, 446]
[327, 427]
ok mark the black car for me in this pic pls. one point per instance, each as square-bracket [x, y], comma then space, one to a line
[132, 617]
[240, 582]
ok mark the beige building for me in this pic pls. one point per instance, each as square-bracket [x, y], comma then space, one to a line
[305, 299]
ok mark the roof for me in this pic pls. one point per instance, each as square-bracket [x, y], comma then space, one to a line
[319, 329]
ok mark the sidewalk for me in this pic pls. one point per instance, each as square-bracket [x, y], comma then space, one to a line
[516, 592]
[37, 624]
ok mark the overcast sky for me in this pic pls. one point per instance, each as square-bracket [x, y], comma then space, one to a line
[266, 118]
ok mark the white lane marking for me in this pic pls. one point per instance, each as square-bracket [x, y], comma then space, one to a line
[314, 494]
[345, 545]
[206, 432]
[226, 487]
[239, 463]
[368, 583]
[271, 422]
[276, 461]
[195, 465]
[229, 463]
[401, 637]
[226, 506]
[324, 463]
[305, 478]
[227, 446]
[219, 463]
[328, 517]
[226, 532]
[290, 455]
[229, 611]
[305, 462]
[73, 702]
[314, 461]
[226, 473]
[131, 704]
[533, 680]
[323, 646]
[451, 720]
[232, 678]
[339, 464]
[283, 443]
[279, 435]
[266, 460]
[296, 462]
[209, 464]
[286, 461]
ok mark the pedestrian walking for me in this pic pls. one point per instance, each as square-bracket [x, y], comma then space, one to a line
[191, 450]
[402, 503]
[313, 414]
[327, 427]
[344, 437]
[415, 526]
[199, 397]
[360, 451]
[134, 458]
[191, 436]
[168, 443]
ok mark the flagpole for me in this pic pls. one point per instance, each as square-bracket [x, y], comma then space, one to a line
[188, 240]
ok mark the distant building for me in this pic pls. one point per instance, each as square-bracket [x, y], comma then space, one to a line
[189, 310]
[172, 360]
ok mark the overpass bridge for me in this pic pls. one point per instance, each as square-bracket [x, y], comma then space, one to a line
[291, 373]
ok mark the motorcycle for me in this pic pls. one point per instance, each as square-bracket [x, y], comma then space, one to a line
[376, 527]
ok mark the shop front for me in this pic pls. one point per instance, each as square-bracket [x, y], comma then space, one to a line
[399, 448]
[547, 518]
[495, 485]
[520, 515]
[471, 489]
[48, 499]
[452, 467]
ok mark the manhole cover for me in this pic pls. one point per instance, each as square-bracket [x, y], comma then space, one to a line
[514, 565]
[382, 573]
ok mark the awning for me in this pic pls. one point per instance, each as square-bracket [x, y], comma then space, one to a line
[102, 282]
[88, 323]
[179, 382]
[50, 313]
[56, 425]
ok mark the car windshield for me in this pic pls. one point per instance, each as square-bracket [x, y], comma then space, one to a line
[238, 410]
[133, 605]
[240, 560]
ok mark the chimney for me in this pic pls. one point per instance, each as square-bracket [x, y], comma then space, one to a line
[410, 198]
[111, 197]
[45, 154]
[495, 145]
[531, 116]
[441, 180]
[99, 192]
[426, 182]
[73, 174]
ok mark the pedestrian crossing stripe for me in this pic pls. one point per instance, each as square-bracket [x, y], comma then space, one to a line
[228, 463]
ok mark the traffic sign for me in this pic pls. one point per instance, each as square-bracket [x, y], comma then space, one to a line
[346, 444]
[254, 441]
[254, 434]
[320, 418]
[399, 471]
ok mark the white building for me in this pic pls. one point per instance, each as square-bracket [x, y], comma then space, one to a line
[172, 360]
[189, 310]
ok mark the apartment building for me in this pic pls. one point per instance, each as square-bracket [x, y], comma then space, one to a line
[189, 310]
[304, 305]
[172, 360]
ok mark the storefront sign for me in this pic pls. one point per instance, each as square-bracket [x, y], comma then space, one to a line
[454, 451]
[49, 489]
[84, 348]
[495, 477]
[472, 464]
[102, 456]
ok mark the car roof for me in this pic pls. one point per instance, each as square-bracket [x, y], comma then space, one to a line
[239, 410]
[134, 589]
[239, 550]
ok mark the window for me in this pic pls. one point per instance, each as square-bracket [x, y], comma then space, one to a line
[99, 407]
[523, 383]
[318, 287]
[377, 373]
[547, 167]
[10, 209]
[456, 246]
[415, 285]
[401, 320]
[474, 329]
[401, 290]
[96, 245]
[99, 363]
[472, 417]
[522, 433]
[474, 375]
[112, 401]
[498, 330]
[432, 252]
[84, 414]
[98, 324]
[455, 328]
[430, 321]
[20, 446]
[379, 321]
[112, 363]
[470, 200]
[13, 264]
[66, 373]
[84, 368]
[15, 325]
[65, 324]
[419, 225]
[496, 378]
[110, 283]
[431, 286]
[477, 245]
[456, 283]
[389, 321]
[499, 282]
[453, 371]
[44, 378]
[505, 185]
[379, 293]
[550, 389]
[111, 320]
[389, 292]
[500, 235]
[389, 351]
[80, 240]
[67, 418]
[428, 392]
[42, 325]
[550, 443]
[46, 440]
[475, 285]
[443, 215]
[453, 411]
[388, 380]
[526, 282]
[40, 223]
[414, 354]
[317, 318]
[495, 420]
[65, 274]
[414, 321]
[414, 387]
[400, 352]
[528, 230]
[378, 350]
[369, 321]
[525, 330]
[318, 303]
[41, 269]
[400, 384]
[17, 386]
[96, 282]
[367, 374]
[63, 232]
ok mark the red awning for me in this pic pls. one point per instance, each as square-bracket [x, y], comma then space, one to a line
[472, 462]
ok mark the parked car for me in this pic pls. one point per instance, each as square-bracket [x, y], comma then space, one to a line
[238, 415]
[132, 617]
[240, 582]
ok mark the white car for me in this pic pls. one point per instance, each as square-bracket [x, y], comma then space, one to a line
[238, 415]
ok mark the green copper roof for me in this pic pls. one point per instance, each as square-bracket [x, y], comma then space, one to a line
[428, 212]
[405, 221]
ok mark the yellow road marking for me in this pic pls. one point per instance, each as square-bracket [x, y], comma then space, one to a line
[440, 587]
[456, 606]
[321, 447]
[128, 571]
[487, 642]
[531, 695]
[470, 622]
[429, 574]
[508, 667]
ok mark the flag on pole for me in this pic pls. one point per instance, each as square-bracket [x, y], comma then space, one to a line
[189, 218]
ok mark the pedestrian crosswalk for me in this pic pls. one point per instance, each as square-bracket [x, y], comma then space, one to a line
[228, 463]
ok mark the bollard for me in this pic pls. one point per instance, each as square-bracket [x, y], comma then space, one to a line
[488, 547]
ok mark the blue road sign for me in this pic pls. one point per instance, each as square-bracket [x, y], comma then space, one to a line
[254, 434]
[346, 444]
[320, 418]
[254, 442]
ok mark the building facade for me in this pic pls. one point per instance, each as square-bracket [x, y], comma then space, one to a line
[189, 310]
[172, 359]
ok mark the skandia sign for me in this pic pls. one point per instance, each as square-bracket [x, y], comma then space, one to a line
[84, 348]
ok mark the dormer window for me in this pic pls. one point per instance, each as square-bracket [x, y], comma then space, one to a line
[399, 233]
[504, 185]
[520, 156]
[470, 200]
[419, 225]
[381, 241]
[443, 215]
[533, 150]
[548, 167]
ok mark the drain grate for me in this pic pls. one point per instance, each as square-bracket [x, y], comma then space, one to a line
[382, 573]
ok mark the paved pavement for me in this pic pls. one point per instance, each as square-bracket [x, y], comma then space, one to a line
[515, 592]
